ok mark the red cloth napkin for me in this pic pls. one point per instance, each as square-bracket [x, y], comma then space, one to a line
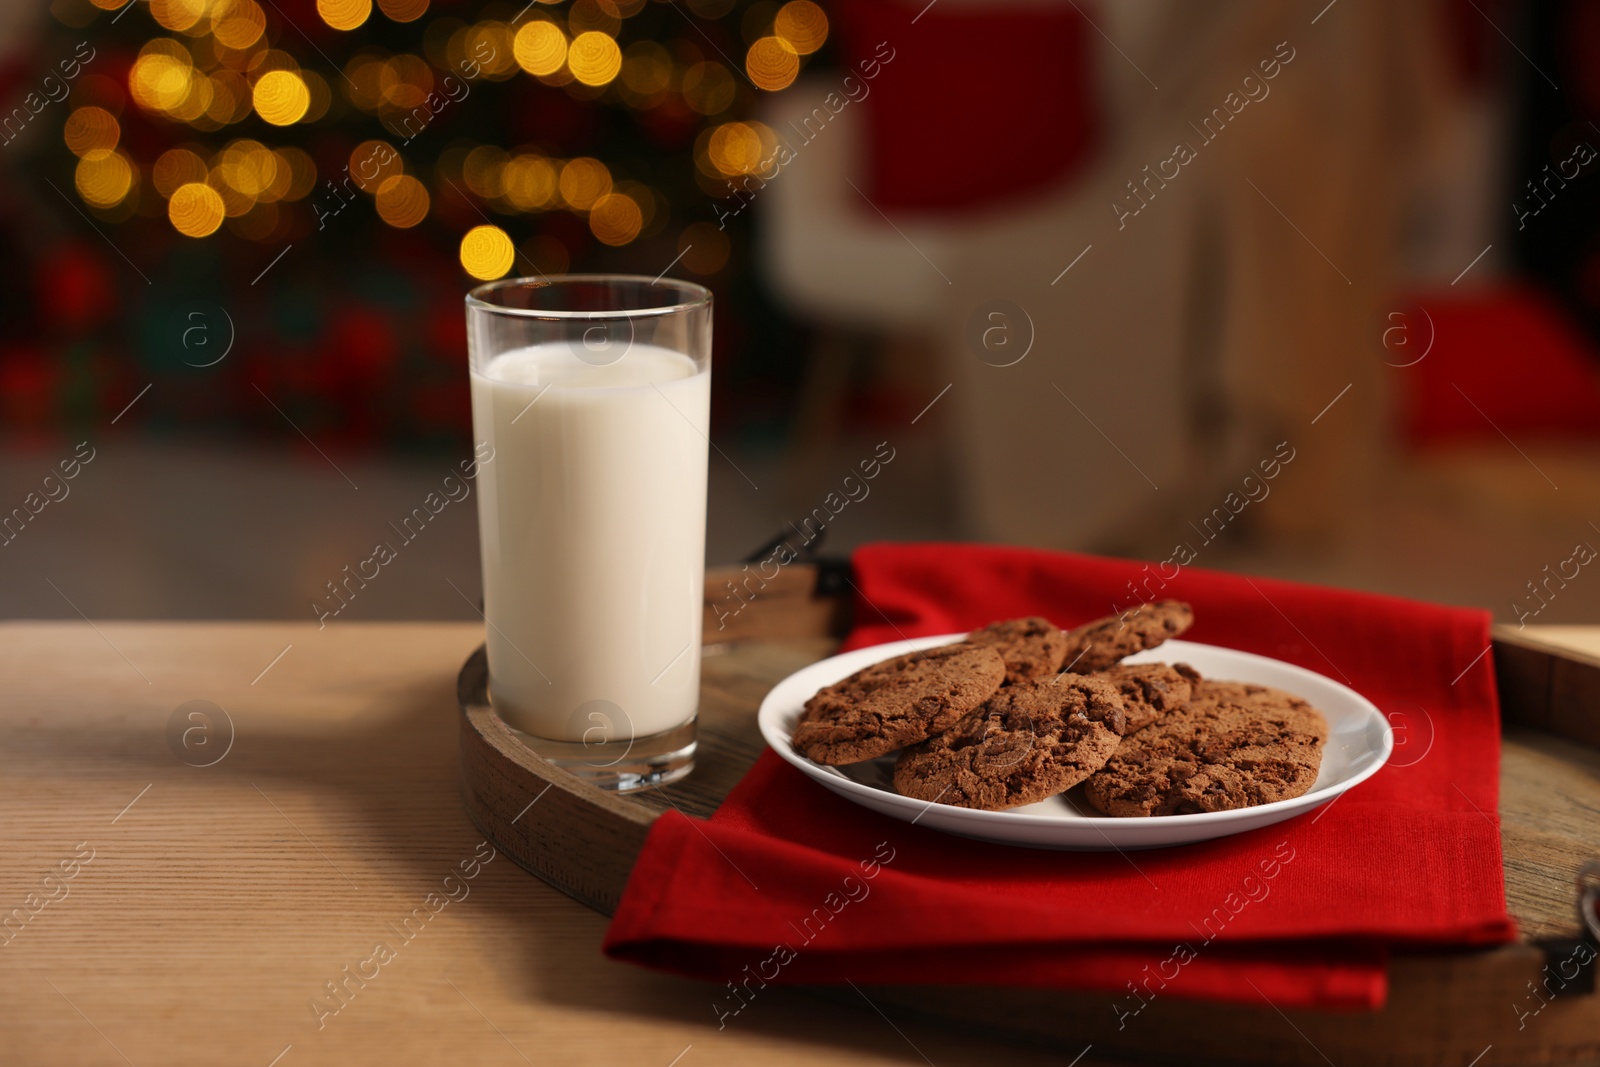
[789, 883]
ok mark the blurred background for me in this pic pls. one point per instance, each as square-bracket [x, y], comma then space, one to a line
[1304, 289]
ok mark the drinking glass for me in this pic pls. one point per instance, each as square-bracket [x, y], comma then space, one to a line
[591, 399]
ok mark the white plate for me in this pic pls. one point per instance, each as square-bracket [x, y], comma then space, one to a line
[1359, 742]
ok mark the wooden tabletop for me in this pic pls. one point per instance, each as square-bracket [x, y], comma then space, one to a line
[178, 889]
[193, 914]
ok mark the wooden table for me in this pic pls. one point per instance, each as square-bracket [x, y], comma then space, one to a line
[220, 900]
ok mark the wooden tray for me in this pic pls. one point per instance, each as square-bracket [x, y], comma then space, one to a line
[1442, 1008]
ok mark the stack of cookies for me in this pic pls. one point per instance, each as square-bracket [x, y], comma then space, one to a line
[1021, 711]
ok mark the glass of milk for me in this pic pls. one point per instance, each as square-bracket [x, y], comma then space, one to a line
[594, 392]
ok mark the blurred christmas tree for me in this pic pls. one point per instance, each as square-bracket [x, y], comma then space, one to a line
[326, 177]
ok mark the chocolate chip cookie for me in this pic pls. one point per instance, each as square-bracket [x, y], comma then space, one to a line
[1096, 645]
[896, 703]
[1028, 742]
[1151, 691]
[1238, 746]
[1033, 648]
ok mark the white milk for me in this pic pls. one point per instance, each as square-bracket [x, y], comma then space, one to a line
[593, 515]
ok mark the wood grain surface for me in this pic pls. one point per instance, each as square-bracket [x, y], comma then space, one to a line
[221, 900]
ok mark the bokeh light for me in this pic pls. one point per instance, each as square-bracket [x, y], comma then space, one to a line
[91, 132]
[302, 172]
[708, 88]
[583, 181]
[160, 79]
[615, 219]
[540, 47]
[195, 210]
[363, 81]
[492, 45]
[803, 25]
[175, 168]
[705, 248]
[487, 253]
[178, 15]
[372, 162]
[405, 81]
[594, 58]
[105, 180]
[231, 98]
[239, 24]
[281, 97]
[249, 167]
[482, 170]
[402, 201]
[344, 14]
[403, 10]
[585, 15]
[735, 148]
[772, 64]
[529, 182]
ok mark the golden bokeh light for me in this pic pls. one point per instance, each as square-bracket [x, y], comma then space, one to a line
[230, 97]
[492, 45]
[529, 182]
[704, 247]
[583, 181]
[372, 162]
[91, 132]
[105, 180]
[195, 210]
[178, 15]
[196, 101]
[803, 24]
[772, 64]
[586, 15]
[735, 148]
[175, 168]
[111, 5]
[402, 201]
[280, 183]
[708, 88]
[363, 81]
[302, 172]
[594, 58]
[344, 14]
[482, 170]
[161, 77]
[403, 10]
[234, 201]
[238, 25]
[487, 253]
[615, 219]
[650, 204]
[405, 81]
[249, 167]
[540, 47]
[281, 97]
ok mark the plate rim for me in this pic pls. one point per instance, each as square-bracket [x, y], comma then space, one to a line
[771, 732]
